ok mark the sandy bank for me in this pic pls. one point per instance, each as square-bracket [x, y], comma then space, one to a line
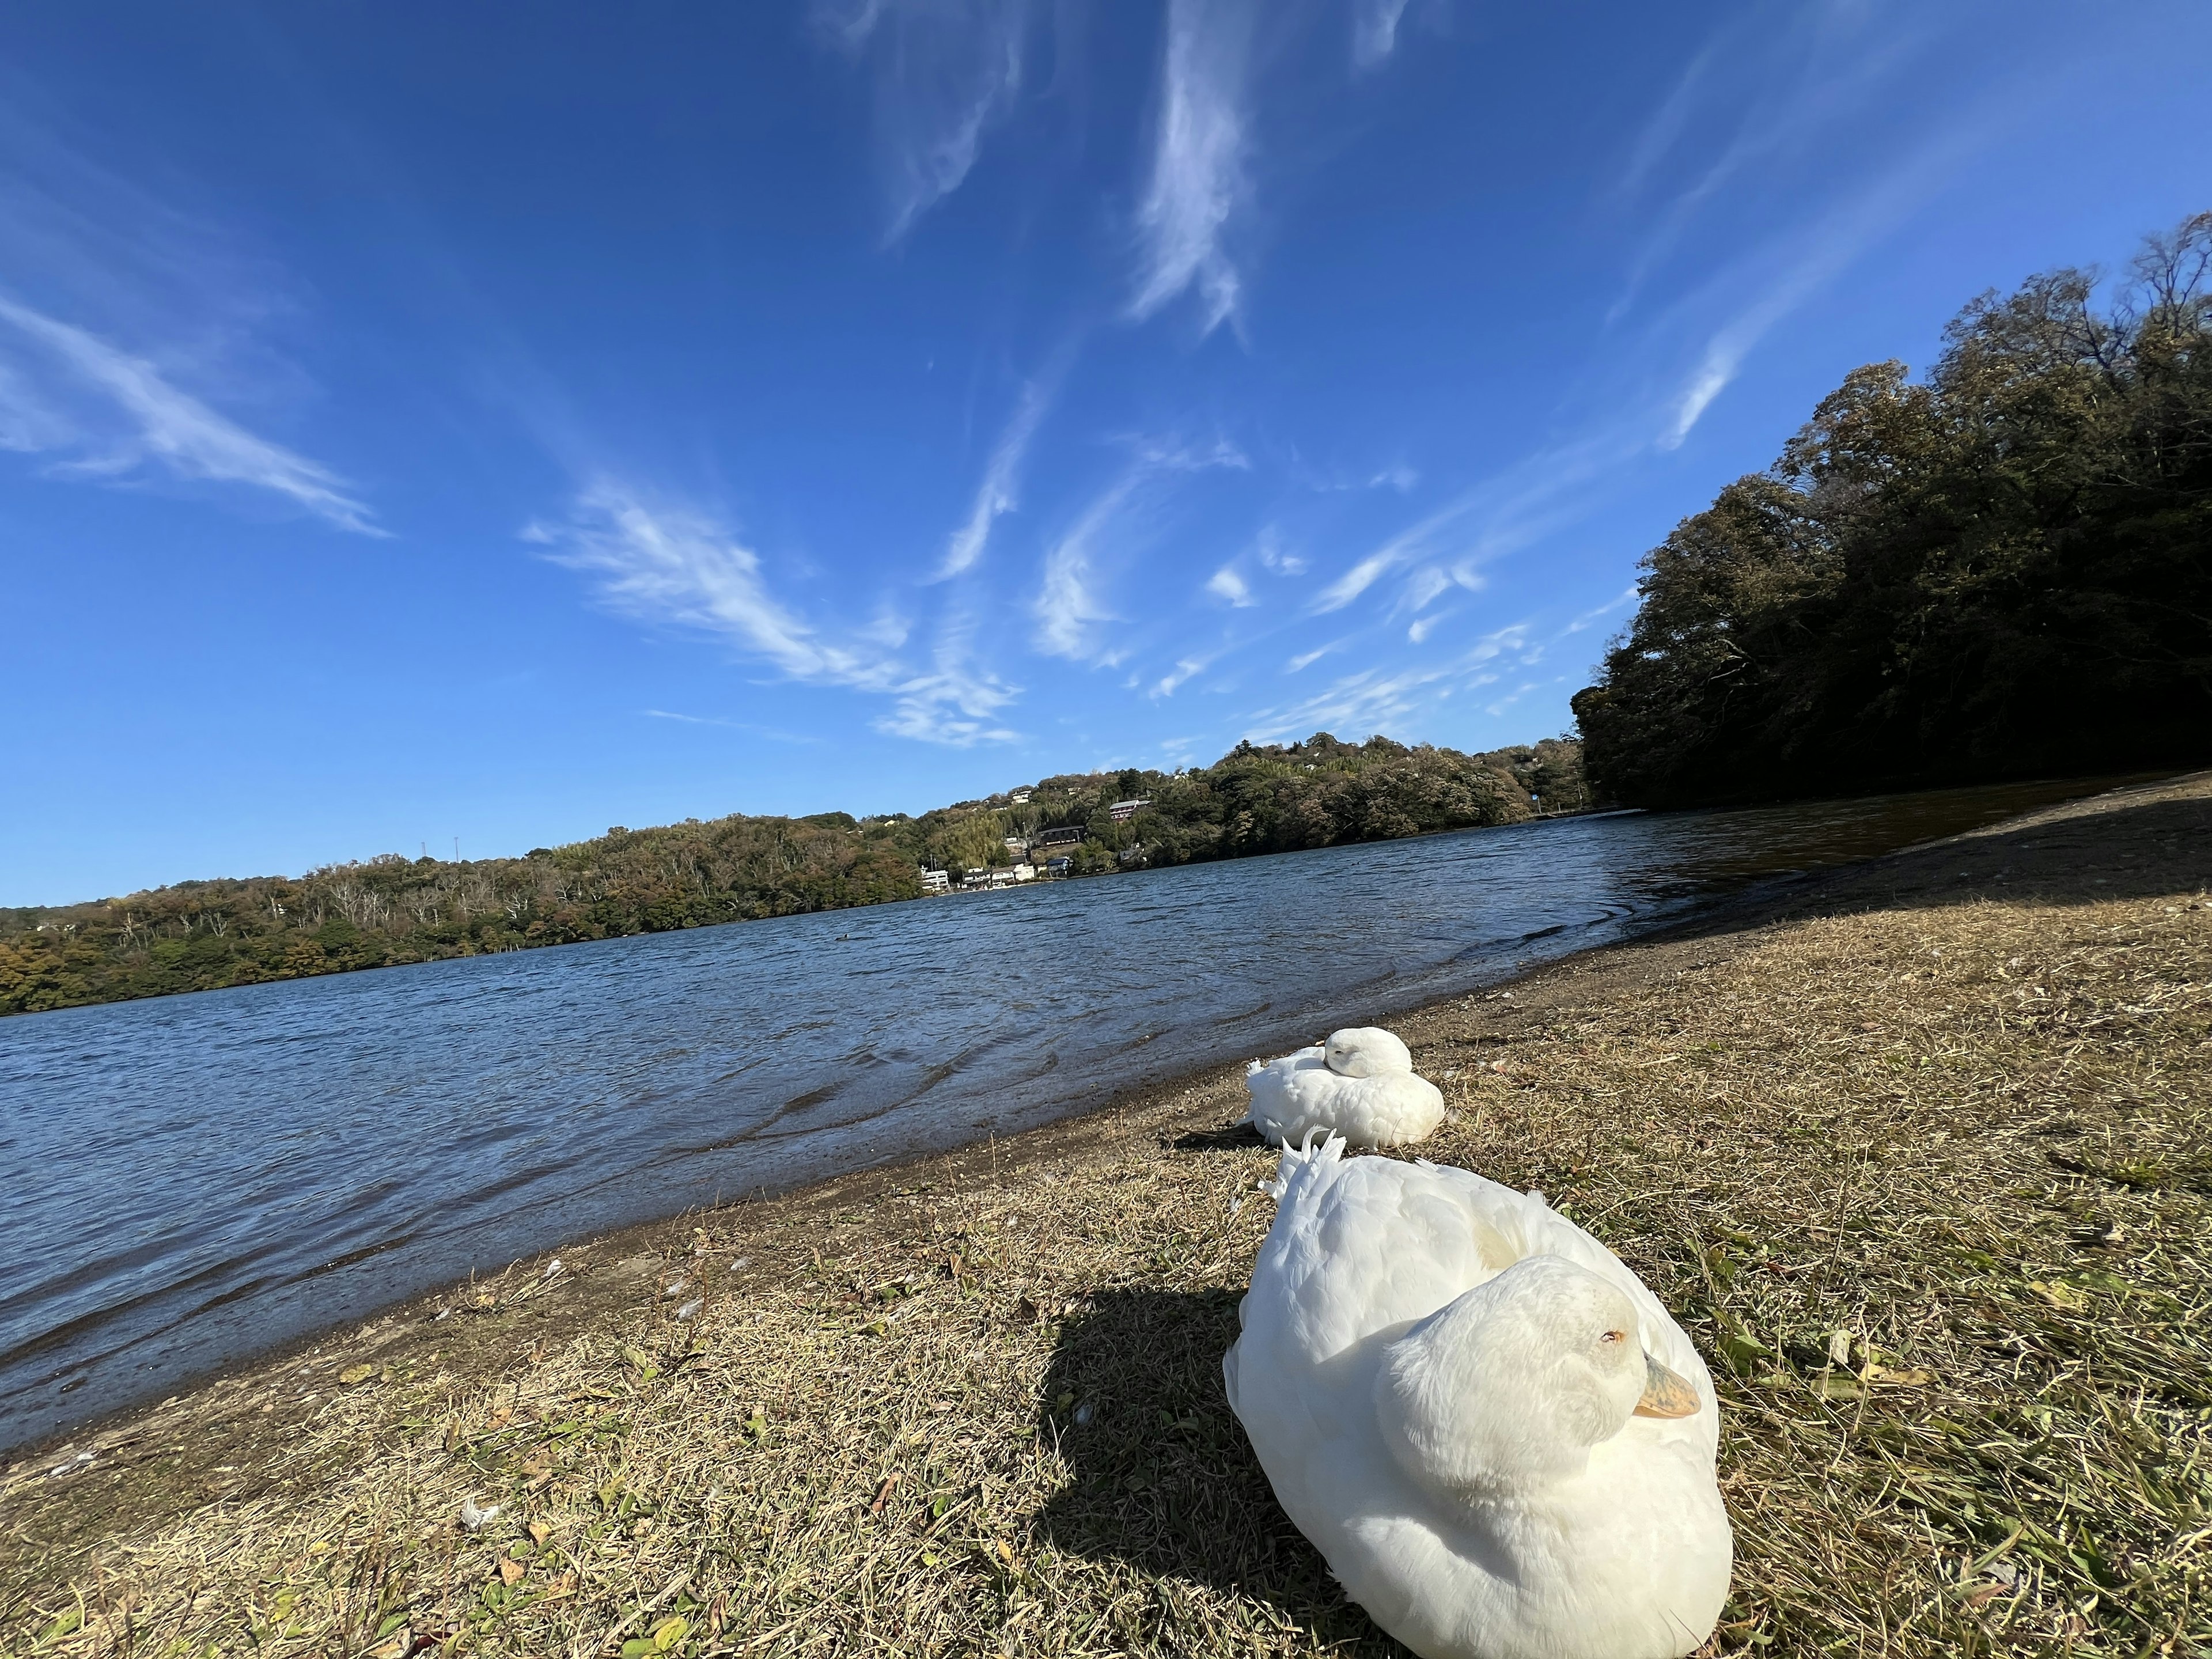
[1953, 1105]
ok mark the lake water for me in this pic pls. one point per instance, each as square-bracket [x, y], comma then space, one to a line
[192, 1179]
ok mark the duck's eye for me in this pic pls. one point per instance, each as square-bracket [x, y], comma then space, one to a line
[1614, 1336]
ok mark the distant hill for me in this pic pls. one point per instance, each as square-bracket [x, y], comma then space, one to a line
[201, 935]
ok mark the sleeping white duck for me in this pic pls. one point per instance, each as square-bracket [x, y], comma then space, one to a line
[1494, 1433]
[1359, 1084]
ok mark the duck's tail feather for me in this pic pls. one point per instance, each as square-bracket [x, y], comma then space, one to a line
[1304, 1162]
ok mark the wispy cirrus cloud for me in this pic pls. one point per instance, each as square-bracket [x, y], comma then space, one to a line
[1588, 618]
[1374, 700]
[672, 565]
[105, 412]
[945, 72]
[954, 705]
[1070, 607]
[1000, 492]
[1227, 585]
[954, 701]
[1202, 153]
[772, 733]
[1185, 669]
[1375, 30]
[1801, 265]
[1780, 91]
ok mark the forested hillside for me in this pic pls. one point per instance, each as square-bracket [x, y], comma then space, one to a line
[198, 935]
[2003, 570]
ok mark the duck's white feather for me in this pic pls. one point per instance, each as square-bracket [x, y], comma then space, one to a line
[1360, 1084]
[1629, 1560]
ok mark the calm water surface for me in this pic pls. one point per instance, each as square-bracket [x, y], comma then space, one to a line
[194, 1178]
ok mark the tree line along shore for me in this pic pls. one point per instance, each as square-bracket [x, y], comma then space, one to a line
[203, 935]
[1916, 1151]
[2002, 570]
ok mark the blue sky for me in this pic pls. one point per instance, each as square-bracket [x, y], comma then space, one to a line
[498, 422]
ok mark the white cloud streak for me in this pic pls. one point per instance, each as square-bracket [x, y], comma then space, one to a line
[768, 732]
[1373, 701]
[1590, 618]
[1200, 161]
[158, 422]
[999, 493]
[1375, 31]
[1226, 584]
[1187, 666]
[1068, 608]
[945, 72]
[1818, 257]
[673, 566]
[954, 705]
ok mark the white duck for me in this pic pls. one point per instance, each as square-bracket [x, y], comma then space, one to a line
[1494, 1433]
[1359, 1084]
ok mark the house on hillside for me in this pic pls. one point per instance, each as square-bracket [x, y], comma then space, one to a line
[1123, 811]
[1005, 876]
[1020, 797]
[1066, 835]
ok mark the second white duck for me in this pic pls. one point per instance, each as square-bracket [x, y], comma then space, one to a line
[1358, 1084]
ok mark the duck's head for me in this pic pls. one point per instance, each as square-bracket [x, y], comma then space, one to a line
[1367, 1051]
[1508, 1388]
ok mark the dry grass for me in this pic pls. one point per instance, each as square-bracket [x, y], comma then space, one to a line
[1924, 1164]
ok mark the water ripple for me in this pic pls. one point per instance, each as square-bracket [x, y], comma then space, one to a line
[194, 1178]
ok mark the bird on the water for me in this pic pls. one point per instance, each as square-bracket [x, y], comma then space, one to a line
[1494, 1433]
[1358, 1084]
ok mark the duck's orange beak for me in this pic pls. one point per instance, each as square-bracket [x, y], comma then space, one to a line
[1665, 1393]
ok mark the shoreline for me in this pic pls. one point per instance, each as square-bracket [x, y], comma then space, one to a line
[630, 1242]
[241, 1430]
[1762, 901]
[131, 1378]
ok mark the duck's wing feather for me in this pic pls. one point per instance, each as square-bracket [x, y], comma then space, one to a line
[1363, 1243]
[1284, 1097]
[1531, 1227]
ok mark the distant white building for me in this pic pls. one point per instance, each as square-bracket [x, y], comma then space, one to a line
[1020, 797]
[936, 881]
[1123, 811]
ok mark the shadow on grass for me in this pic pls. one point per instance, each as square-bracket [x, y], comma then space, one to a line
[2127, 850]
[1164, 1479]
[1237, 1138]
